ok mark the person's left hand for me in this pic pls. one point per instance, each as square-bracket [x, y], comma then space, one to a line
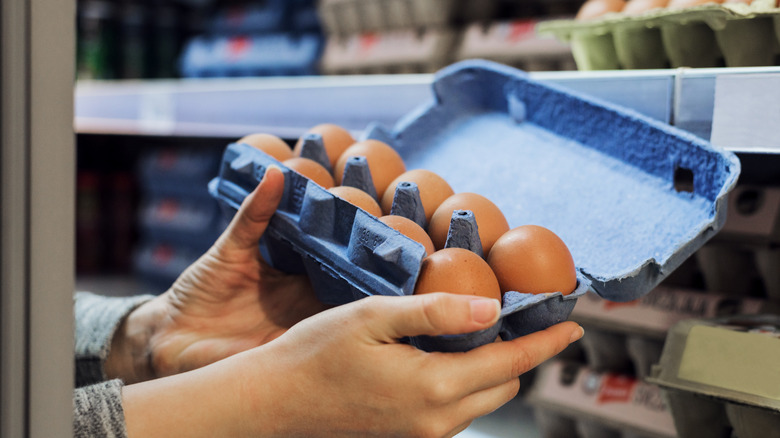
[228, 301]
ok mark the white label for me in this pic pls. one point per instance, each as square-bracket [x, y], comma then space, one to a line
[157, 113]
[747, 110]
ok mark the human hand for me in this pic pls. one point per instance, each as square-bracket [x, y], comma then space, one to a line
[228, 301]
[343, 372]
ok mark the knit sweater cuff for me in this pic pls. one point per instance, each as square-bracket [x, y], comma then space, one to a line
[98, 411]
[97, 318]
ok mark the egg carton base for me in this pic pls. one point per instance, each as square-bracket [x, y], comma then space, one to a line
[349, 254]
[701, 37]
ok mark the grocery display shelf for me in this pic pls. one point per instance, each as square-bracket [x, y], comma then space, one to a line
[288, 106]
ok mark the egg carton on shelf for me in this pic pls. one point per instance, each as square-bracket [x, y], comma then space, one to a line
[282, 54]
[628, 337]
[543, 155]
[347, 17]
[396, 51]
[571, 400]
[179, 173]
[747, 251]
[159, 263]
[255, 17]
[196, 224]
[710, 35]
[515, 43]
[720, 375]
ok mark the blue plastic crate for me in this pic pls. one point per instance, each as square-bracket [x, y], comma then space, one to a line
[605, 179]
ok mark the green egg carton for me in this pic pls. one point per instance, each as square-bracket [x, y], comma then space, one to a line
[721, 375]
[710, 35]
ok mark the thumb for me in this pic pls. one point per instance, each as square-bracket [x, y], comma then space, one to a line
[252, 218]
[431, 314]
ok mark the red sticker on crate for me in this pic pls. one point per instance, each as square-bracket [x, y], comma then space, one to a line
[616, 389]
[520, 30]
[367, 41]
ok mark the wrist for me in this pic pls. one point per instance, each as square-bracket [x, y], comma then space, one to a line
[130, 355]
[201, 403]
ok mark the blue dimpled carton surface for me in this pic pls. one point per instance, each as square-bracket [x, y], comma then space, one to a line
[613, 184]
[606, 180]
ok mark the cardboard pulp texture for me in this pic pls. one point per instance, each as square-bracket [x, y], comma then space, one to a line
[720, 375]
[601, 177]
[711, 35]
[346, 17]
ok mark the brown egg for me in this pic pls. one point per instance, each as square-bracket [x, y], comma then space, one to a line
[682, 4]
[270, 144]
[596, 8]
[533, 259]
[410, 229]
[310, 169]
[383, 161]
[433, 190]
[459, 271]
[637, 7]
[491, 222]
[357, 198]
[335, 139]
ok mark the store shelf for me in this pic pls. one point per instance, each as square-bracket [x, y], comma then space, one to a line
[289, 106]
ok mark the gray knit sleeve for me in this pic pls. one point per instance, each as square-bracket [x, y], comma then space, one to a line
[98, 411]
[97, 318]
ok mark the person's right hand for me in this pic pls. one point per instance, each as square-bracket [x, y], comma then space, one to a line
[343, 372]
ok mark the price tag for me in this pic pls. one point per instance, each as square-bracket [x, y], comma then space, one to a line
[156, 113]
[747, 111]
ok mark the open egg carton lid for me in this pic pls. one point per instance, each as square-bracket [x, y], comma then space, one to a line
[600, 177]
[631, 197]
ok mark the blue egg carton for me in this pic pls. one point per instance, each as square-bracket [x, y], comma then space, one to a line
[260, 55]
[613, 184]
[258, 17]
[178, 173]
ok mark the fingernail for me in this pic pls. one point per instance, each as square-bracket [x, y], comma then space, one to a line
[577, 334]
[484, 310]
[273, 166]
